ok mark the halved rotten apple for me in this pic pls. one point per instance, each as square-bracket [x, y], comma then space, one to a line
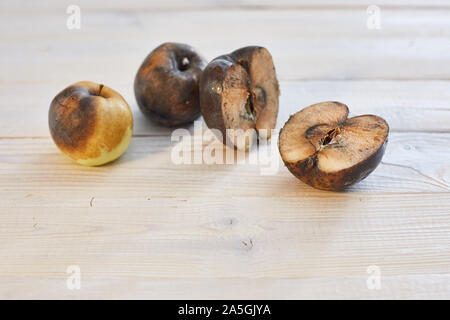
[328, 151]
[239, 93]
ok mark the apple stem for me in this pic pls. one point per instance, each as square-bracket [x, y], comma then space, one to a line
[100, 89]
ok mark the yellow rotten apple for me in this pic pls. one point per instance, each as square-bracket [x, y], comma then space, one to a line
[91, 123]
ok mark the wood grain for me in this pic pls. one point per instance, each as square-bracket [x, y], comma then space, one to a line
[434, 286]
[409, 45]
[31, 166]
[145, 227]
[406, 105]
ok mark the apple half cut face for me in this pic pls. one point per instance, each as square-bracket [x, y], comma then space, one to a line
[239, 95]
[324, 148]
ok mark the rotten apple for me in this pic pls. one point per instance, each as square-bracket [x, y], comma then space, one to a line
[239, 93]
[324, 148]
[166, 84]
[91, 123]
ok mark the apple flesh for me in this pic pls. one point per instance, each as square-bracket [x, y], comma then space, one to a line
[324, 148]
[239, 91]
[91, 123]
[166, 84]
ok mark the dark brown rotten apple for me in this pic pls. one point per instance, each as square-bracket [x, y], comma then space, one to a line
[166, 84]
[328, 151]
[240, 91]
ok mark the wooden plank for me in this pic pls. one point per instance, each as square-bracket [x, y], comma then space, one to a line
[306, 44]
[434, 286]
[35, 174]
[180, 5]
[145, 227]
[414, 106]
[308, 239]
[227, 238]
[305, 240]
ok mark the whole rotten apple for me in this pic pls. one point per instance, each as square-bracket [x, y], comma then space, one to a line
[328, 151]
[166, 84]
[91, 123]
[239, 91]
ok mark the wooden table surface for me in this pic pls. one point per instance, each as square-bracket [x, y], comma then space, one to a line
[144, 227]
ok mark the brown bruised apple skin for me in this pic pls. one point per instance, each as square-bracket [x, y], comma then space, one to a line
[166, 84]
[91, 123]
[323, 148]
[240, 91]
